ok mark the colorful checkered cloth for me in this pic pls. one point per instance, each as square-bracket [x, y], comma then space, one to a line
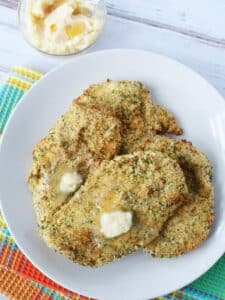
[19, 279]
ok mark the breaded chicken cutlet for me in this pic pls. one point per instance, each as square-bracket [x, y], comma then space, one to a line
[79, 141]
[105, 184]
[147, 185]
[190, 225]
[131, 102]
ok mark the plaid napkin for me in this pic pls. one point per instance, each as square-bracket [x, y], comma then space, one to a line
[19, 279]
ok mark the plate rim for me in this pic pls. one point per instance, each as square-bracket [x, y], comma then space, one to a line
[220, 99]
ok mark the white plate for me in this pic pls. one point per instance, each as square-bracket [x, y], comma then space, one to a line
[201, 112]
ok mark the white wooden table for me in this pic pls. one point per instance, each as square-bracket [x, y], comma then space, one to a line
[192, 32]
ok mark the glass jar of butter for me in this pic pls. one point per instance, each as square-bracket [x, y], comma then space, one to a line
[61, 27]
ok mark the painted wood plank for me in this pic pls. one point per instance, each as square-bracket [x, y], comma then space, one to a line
[203, 19]
[119, 33]
[9, 3]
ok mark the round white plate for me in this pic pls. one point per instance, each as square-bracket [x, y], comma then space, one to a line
[201, 112]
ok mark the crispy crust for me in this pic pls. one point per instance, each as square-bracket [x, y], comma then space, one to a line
[190, 226]
[167, 186]
[131, 102]
[155, 187]
[186, 230]
[79, 141]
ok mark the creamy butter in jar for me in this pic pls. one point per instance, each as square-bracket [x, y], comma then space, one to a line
[61, 27]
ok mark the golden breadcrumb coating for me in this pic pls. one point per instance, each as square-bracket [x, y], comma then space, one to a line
[190, 225]
[78, 142]
[148, 184]
[131, 102]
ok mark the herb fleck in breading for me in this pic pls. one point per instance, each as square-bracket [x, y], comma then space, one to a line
[148, 184]
[79, 141]
[131, 102]
[190, 225]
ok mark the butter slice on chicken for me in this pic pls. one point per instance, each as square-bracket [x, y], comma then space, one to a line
[75, 145]
[122, 206]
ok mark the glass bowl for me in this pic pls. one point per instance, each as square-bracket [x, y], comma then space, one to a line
[73, 46]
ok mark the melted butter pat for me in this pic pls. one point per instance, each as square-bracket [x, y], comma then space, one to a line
[115, 223]
[70, 182]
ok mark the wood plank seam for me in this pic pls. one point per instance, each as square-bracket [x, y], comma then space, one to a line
[9, 3]
[204, 38]
[115, 12]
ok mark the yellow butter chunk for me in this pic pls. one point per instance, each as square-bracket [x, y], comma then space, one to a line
[53, 28]
[76, 11]
[74, 30]
[37, 20]
[82, 11]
